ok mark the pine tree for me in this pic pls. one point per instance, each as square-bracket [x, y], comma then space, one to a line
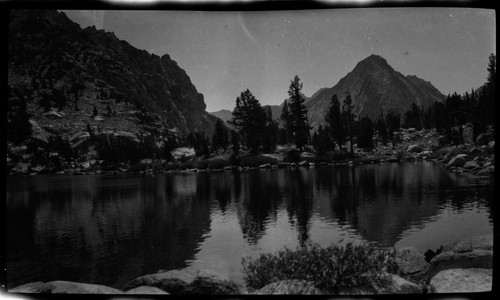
[393, 121]
[364, 137]
[271, 132]
[298, 114]
[348, 119]
[381, 128]
[287, 124]
[235, 141]
[334, 120]
[249, 118]
[220, 136]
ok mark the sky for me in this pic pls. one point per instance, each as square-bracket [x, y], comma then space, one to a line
[227, 52]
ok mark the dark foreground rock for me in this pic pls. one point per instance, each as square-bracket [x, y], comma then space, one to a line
[146, 290]
[452, 260]
[290, 287]
[174, 281]
[462, 281]
[202, 281]
[410, 261]
[385, 284]
[64, 287]
[208, 282]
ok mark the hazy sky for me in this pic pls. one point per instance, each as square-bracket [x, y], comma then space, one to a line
[225, 53]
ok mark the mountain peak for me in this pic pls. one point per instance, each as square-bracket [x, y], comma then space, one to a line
[374, 86]
[374, 59]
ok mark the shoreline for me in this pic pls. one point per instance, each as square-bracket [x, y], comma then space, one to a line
[415, 275]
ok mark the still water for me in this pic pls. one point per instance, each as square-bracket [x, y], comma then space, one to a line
[111, 229]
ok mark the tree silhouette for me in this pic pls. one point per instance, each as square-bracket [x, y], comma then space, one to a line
[348, 119]
[298, 114]
[334, 120]
[249, 118]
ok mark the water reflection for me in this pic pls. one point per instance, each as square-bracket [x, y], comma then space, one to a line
[102, 229]
[109, 230]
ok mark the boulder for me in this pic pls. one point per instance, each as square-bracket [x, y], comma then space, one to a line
[265, 166]
[289, 287]
[32, 287]
[209, 282]
[385, 284]
[462, 281]
[146, 290]
[410, 261]
[470, 165]
[491, 147]
[451, 260]
[304, 155]
[483, 242]
[475, 151]
[303, 164]
[38, 133]
[173, 282]
[283, 165]
[483, 139]
[415, 149]
[68, 287]
[53, 115]
[458, 161]
[126, 135]
[485, 172]
[442, 141]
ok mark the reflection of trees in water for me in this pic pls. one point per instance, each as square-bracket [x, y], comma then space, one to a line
[107, 229]
[222, 190]
[300, 197]
[261, 196]
[382, 201]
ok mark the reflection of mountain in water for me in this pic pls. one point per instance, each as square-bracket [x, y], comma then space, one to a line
[93, 230]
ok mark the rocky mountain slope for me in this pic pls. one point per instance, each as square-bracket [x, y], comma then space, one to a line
[374, 86]
[129, 89]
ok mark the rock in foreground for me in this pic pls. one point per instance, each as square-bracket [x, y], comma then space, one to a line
[64, 287]
[184, 282]
[462, 281]
[290, 287]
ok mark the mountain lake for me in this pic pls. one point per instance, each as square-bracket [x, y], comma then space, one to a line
[111, 229]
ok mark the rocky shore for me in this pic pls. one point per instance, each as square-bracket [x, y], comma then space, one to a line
[461, 267]
[472, 157]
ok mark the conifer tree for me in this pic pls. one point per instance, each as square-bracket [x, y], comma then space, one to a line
[249, 118]
[220, 137]
[287, 124]
[298, 114]
[364, 137]
[334, 120]
[393, 123]
[271, 132]
[348, 119]
[381, 128]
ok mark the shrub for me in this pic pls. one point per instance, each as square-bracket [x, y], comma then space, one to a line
[201, 164]
[217, 163]
[257, 160]
[338, 155]
[329, 268]
[186, 165]
[292, 156]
